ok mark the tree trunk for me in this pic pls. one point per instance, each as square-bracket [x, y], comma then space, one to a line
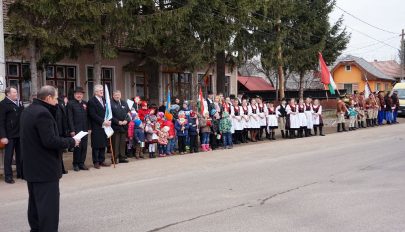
[220, 72]
[97, 63]
[33, 68]
[280, 63]
[301, 89]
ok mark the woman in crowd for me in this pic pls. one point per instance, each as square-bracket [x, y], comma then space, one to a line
[237, 123]
[282, 117]
[244, 112]
[272, 123]
[317, 118]
[302, 119]
[254, 121]
[262, 118]
[293, 123]
[308, 114]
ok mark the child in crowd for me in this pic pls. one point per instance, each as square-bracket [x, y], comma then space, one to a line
[131, 125]
[193, 132]
[172, 134]
[225, 127]
[163, 140]
[352, 117]
[182, 126]
[205, 128]
[138, 138]
[215, 138]
[151, 136]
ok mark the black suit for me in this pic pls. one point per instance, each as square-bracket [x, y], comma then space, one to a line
[98, 136]
[41, 156]
[10, 113]
[120, 113]
[77, 120]
[62, 122]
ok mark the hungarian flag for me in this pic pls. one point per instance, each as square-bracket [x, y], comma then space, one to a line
[200, 102]
[326, 76]
[168, 101]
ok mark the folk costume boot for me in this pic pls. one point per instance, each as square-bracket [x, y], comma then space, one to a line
[282, 134]
[344, 127]
[316, 130]
[359, 125]
[339, 125]
[286, 134]
[273, 135]
[321, 131]
[362, 124]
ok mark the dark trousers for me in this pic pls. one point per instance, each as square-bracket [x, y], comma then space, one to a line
[162, 149]
[43, 206]
[79, 153]
[12, 146]
[119, 140]
[193, 143]
[98, 155]
[182, 143]
[227, 139]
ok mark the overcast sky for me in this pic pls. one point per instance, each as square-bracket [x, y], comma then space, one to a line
[387, 14]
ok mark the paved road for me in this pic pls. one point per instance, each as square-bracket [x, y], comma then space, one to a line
[340, 182]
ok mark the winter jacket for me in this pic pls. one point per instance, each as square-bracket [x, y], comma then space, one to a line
[172, 131]
[178, 126]
[138, 135]
[10, 118]
[193, 127]
[163, 137]
[225, 125]
[120, 113]
[149, 131]
[131, 126]
[204, 125]
[77, 116]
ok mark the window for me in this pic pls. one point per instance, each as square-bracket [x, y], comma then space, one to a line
[377, 87]
[107, 75]
[386, 87]
[179, 85]
[205, 82]
[227, 85]
[348, 88]
[19, 76]
[140, 86]
[56, 75]
[348, 68]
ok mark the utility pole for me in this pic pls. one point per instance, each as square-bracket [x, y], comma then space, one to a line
[281, 86]
[2, 55]
[402, 55]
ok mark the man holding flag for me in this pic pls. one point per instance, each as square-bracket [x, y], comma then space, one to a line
[98, 112]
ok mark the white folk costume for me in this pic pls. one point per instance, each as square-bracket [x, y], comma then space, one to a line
[301, 115]
[244, 112]
[262, 114]
[294, 121]
[317, 119]
[308, 114]
[254, 121]
[272, 118]
[237, 123]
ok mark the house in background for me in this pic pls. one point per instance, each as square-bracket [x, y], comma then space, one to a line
[390, 68]
[351, 72]
[253, 85]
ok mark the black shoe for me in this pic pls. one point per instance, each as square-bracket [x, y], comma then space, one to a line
[76, 168]
[83, 167]
[64, 172]
[123, 161]
[9, 180]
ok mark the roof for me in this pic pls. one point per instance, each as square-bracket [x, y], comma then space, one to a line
[389, 67]
[368, 67]
[255, 83]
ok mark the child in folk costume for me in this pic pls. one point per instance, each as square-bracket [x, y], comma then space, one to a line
[262, 118]
[244, 112]
[308, 114]
[237, 123]
[205, 128]
[225, 127]
[317, 118]
[293, 122]
[151, 137]
[163, 140]
[281, 114]
[254, 122]
[181, 125]
[352, 111]
[193, 132]
[272, 123]
[302, 119]
[340, 113]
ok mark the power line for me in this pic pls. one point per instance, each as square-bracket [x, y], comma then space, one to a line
[371, 45]
[369, 36]
[391, 32]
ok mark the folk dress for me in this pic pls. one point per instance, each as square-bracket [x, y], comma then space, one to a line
[317, 115]
[301, 116]
[237, 123]
[244, 112]
[272, 118]
[308, 113]
[294, 121]
[254, 122]
[262, 114]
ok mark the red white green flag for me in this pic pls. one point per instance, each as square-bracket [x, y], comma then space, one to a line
[326, 76]
[201, 102]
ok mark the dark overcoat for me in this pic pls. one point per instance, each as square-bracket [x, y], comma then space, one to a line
[96, 116]
[10, 118]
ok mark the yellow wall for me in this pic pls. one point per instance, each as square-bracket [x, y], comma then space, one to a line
[355, 76]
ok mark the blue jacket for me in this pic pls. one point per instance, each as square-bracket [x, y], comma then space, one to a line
[139, 135]
[192, 129]
[181, 133]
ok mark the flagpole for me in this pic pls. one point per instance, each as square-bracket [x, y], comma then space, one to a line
[112, 152]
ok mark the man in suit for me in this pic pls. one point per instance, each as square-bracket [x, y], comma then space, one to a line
[41, 148]
[120, 122]
[10, 112]
[62, 122]
[77, 120]
[99, 143]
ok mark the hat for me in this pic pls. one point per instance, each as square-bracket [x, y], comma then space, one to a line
[79, 89]
[185, 102]
[144, 103]
[138, 122]
[232, 96]
[134, 114]
[209, 92]
[169, 116]
[153, 118]
[213, 112]
[160, 114]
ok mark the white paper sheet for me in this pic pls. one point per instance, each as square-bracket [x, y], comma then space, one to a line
[108, 131]
[130, 103]
[80, 135]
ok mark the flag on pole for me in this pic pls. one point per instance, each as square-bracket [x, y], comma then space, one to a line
[367, 89]
[168, 101]
[200, 102]
[108, 113]
[326, 76]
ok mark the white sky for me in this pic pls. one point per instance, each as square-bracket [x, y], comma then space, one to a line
[386, 14]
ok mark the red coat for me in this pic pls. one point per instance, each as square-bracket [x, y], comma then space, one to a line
[142, 113]
[131, 126]
[172, 131]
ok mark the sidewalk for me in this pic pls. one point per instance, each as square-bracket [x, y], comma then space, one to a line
[329, 128]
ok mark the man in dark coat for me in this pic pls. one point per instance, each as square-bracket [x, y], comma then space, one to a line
[77, 120]
[119, 124]
[62, 122]
[40, 149]
[96, 106]
[10, 112]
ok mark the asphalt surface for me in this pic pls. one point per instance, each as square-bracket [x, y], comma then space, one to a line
[341, 182]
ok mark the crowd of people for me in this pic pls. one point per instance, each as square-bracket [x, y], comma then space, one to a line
[159, 131]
